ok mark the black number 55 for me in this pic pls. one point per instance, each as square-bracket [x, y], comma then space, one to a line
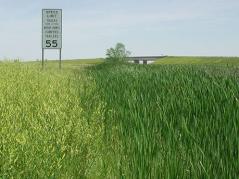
[50, 43]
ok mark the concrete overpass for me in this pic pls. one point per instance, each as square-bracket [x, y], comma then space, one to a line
[144, 59]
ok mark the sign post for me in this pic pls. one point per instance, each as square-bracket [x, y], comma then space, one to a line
[51, 31]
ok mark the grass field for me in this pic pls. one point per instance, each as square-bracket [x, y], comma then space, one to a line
[199, 60]
[120, 120]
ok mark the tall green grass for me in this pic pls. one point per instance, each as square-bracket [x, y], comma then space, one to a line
[169, 121]
[43, 132]
[119, 121]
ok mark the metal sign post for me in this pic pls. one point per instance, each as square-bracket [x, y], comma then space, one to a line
[60, 58]
[51, 31]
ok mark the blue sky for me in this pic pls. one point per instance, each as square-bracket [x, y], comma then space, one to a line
[146, 27]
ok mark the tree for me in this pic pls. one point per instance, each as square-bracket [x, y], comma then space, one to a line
[117, 54]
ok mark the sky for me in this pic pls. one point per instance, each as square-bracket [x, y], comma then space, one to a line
[146, 27]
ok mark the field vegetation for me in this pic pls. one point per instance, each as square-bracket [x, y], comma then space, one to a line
[120, 120]
[199, 60]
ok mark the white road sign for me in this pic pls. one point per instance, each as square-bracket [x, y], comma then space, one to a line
[51, 28]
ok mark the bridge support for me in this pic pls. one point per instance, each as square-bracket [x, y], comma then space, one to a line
[145, 62]
[136, 61]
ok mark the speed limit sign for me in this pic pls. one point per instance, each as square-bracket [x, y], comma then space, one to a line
[51, 31]
[51, 28]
